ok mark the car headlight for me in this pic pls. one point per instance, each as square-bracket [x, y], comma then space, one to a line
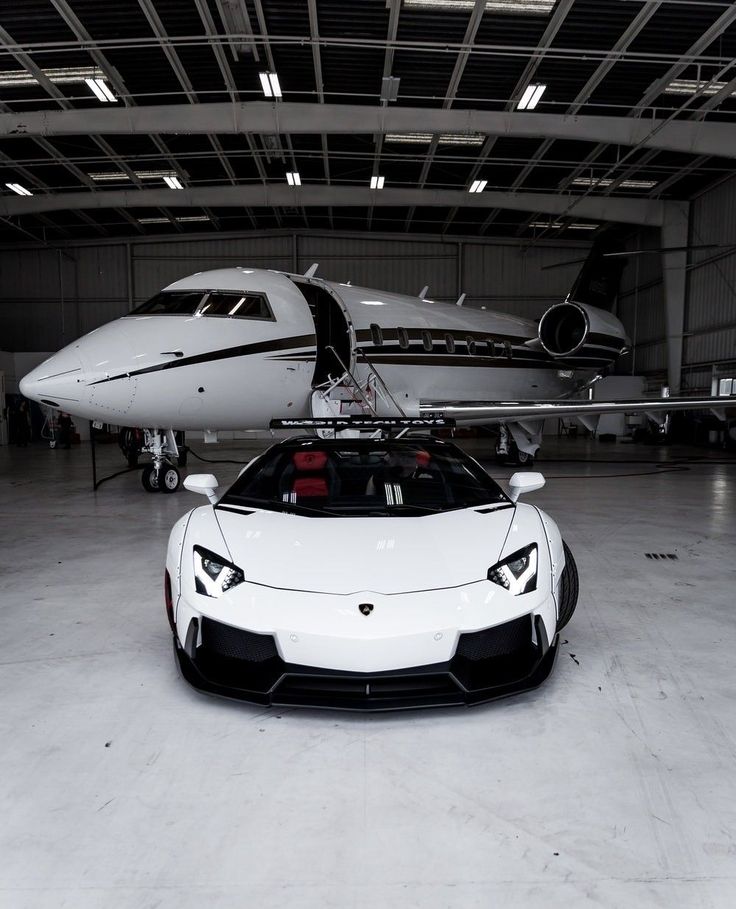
[518, 572]
[214, 575]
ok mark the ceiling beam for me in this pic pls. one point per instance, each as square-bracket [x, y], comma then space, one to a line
[628, 211]
[258, 117]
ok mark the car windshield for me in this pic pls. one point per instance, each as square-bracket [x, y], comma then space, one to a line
[403, 478]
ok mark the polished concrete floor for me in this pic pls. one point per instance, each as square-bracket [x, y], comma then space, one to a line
[613, 785]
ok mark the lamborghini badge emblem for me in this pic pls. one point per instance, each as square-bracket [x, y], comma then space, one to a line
[366, 608]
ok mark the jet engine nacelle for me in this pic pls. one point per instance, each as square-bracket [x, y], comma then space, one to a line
[572, 329]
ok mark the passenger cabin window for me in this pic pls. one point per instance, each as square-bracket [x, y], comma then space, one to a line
[470, 341]
[427, 340]
[450, 343]
[236, 305]
[376, 335]
[403, 338]
[228, 304]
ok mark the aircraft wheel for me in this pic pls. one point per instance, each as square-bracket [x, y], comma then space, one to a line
[569, 587]
[150, 478]
[169, 479]
[520, 458]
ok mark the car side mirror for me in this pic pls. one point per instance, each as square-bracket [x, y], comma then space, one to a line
[520, 483]
[203, 483]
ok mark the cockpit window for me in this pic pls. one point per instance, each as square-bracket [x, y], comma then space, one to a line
[171, 303]
[235, 305]
[227, 304]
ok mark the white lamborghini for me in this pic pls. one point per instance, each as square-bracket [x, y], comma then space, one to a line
[367, 574]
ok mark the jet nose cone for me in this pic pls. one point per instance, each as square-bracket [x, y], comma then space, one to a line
[57, 382]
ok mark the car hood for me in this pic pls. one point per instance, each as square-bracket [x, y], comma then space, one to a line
[380, 555]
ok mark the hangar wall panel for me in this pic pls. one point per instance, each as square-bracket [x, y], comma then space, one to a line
[711, 310]
[402, 266]
[43, 308]
[157, 264]
[518, 278]
[641, 306]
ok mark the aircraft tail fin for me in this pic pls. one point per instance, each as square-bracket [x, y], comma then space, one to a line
[600, 277]
[312, 270]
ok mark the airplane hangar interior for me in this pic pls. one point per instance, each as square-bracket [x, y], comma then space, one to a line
[368, 454]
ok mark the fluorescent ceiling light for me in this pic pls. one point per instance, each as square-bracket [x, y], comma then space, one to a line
[101, 90]
[558, 225]
[532, 93]
[514, 7]
[293, 179]
[183, 219]
[270, 85]
[477, 186]
[444, 138]
[109, 176]
[604, 182]
[57, 75]
[377, 182]
[173, 182]
[17, 188]
[691, 86]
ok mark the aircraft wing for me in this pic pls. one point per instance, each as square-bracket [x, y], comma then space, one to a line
[483, 412]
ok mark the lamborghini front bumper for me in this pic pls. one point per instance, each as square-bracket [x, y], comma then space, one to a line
[493, 663]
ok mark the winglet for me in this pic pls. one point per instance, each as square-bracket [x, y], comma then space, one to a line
[460, 300]
[312, 270]
[423, 292]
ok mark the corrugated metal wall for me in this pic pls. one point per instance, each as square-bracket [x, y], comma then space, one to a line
[48, 298]
[641, 307]
[711, 312]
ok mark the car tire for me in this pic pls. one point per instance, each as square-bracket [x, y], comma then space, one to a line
[150, 479]
[169, 479]
[569, 588]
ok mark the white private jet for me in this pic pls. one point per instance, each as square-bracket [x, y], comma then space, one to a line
[230, 348]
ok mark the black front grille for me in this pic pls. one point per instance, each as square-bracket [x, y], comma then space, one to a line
[236, 644]
[375, 692]
[503, 640]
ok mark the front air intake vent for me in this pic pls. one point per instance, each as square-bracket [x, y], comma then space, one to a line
[237, 644]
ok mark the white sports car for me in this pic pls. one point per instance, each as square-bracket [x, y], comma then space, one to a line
[367, 574]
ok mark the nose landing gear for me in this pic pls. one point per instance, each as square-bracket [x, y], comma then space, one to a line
[161, 475]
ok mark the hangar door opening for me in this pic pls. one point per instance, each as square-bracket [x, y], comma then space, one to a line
[332, 332]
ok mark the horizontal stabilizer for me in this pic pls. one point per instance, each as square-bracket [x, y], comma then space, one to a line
[482, 412]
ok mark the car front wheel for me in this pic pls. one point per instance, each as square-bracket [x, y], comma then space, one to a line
[569, 587]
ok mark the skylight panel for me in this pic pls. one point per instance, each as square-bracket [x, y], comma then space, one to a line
[444, 138]
[510, 7]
